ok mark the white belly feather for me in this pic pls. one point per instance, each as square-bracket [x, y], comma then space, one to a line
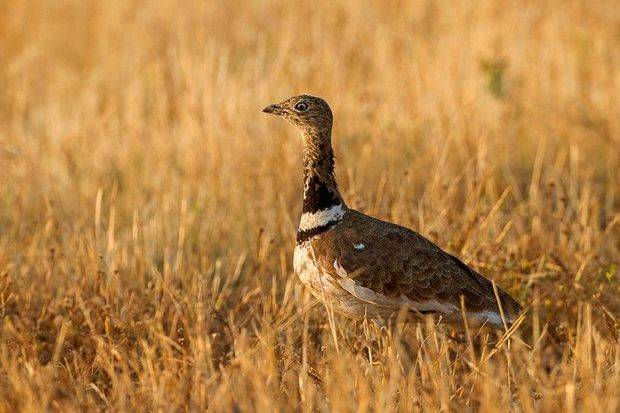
[305, 266]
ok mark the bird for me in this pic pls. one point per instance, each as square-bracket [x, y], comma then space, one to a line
[364, 267]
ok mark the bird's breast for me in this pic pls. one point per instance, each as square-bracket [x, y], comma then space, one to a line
[308, 271]
[324, 285]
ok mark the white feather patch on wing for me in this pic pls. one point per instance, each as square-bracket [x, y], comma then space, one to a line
[489, 317]
[311, 220]
[339, 270]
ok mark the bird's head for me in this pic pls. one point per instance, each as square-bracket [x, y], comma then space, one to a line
[308, 113]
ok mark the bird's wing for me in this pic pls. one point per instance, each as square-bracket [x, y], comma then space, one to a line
[370, 256]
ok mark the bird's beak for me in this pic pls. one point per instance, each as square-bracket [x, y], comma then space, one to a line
[274, 109]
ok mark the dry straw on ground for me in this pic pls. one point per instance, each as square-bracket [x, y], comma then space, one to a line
[148, 208]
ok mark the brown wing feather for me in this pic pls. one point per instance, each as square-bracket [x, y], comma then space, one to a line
[396, 261]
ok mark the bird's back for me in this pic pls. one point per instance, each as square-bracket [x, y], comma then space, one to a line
[388, 266]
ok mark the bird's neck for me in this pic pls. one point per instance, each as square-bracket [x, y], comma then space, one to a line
[323, 207]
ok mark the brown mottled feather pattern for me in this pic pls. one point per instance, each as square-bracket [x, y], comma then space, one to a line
[397, 261]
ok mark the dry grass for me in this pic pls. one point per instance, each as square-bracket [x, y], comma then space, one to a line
[148, 209]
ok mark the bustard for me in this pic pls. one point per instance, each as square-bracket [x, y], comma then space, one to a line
[366, 267]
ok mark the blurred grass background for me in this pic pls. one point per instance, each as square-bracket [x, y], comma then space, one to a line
[148, 208]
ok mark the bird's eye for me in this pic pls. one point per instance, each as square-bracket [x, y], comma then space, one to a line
[301, 107]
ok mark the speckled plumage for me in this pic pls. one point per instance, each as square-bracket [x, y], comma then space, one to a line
[366, 267]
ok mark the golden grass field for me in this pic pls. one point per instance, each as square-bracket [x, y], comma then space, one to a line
[148, 209]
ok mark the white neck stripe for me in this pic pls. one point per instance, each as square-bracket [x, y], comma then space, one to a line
[311, 220]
